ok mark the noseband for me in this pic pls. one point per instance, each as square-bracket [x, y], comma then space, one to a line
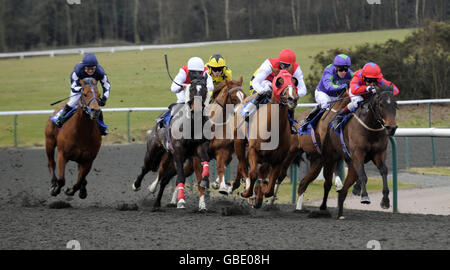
[87, 106]
[229, 91]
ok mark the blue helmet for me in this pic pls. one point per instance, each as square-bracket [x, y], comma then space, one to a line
[342, 60]
[89, 60]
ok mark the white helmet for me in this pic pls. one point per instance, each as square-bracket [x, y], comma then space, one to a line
[196, 63]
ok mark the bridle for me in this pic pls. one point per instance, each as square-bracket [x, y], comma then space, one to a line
[215, 101]
[87, 105]
[376, 112]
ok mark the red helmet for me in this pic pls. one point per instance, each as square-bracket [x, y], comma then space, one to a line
[287, 56]
[372, 70]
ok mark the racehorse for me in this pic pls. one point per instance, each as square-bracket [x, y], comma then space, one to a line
[364, 138]
[260, 146]
[221, 148]
[168, 159]
[78, 140]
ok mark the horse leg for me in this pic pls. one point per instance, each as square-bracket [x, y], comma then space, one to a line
[358, 164]
[166, 167]
[181, 179]
[202, 152]
[337, 177]
[83, 170]
[352, 175]
[50, 144]
[198, 169]
[239, 149]
[164, 180]
[56, 187]
[328, 175]
[268, 190]
[253, 160]
[379, 162]
[311, 175]
[222, 156]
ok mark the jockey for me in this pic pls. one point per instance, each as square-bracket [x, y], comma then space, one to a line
[87, 68]
[261, 82]
[195, 69]
[335, 79]
[218, 70]
[362, 87]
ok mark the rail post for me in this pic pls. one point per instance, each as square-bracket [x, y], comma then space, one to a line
[128, 125]
[15, 130]
[432, 139]
[407, 152]
[394, 174]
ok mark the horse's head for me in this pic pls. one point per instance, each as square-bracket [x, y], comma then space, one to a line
[384, 106]
[197, 91]
[284, 88]
[89, 98]
[228, 92]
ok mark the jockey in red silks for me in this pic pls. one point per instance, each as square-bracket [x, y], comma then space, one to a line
[261, 82]
[362, 87]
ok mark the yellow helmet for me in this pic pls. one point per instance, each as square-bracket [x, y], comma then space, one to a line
[216, 60]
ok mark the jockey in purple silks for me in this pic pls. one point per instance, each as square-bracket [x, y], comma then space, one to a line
[335, 79]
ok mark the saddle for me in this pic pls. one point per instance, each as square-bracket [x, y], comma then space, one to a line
[312, 124]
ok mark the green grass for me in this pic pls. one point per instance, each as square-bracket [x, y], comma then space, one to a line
[315, 190]
[139, 79]
[445, 171]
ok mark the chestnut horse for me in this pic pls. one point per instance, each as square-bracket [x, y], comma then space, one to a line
[365, 136]
[268, 139]
[78, 140]
[229, 92]
[311, 144]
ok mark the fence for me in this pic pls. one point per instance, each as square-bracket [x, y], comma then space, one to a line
[52, 53]
[142, 109]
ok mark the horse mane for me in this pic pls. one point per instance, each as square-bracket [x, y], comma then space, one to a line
[218, 89]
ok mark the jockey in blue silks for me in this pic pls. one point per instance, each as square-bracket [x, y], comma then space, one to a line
[88, 68]
[335, 79]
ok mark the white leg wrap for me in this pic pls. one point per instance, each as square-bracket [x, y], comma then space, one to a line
[299, 203]
[338, 183]
[152, 187]
[201, 203]
[174, 196]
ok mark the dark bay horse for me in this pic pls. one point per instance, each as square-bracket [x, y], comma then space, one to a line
[220, 148]
[78, 140]
[366, 137]
[268, 139]
[187, 141]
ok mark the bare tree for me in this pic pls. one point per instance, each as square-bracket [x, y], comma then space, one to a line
[205, 12]
[396, 13]
[227, 19]
[294, 22]
[135, 22]
[417, 12]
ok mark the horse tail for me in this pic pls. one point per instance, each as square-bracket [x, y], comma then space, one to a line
[155, 150]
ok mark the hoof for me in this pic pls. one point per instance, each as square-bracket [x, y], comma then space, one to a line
[341, 218]
[365, 200]
[135, 188]
[356, 191]
[202, 210]
[83, 193]
[257, 205]
[302, 211]
[171, 205]
[54, 191]
[215, 185]
[181, 204]
[385, 205]
[225, 190]
[69, 192]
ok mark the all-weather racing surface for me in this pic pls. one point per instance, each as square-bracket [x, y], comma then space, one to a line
[113, 216]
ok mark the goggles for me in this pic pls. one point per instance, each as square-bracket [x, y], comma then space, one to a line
[216, 69]
[371, 80]
[284, 65]
[342, 68]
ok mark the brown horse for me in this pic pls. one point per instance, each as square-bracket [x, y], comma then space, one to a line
[304, 143]
[268, 135]
[221, 148]
[366, 137]
[78, 140]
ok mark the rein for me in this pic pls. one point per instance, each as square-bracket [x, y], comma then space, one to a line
[229, 91]
[377, 116]
[88, 104]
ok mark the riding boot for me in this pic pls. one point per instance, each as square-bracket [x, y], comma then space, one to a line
[292, 121]
[61, 118]
[304, 123]
[339, 116]
[252, 107]
[103, 128]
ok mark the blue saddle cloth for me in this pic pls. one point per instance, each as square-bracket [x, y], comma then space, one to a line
[312, 124]
[340, 132]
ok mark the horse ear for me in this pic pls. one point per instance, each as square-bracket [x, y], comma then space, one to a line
[279, 82]
[294, 81]
[82, 83]
[241, 80]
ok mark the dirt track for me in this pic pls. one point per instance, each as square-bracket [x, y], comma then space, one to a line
[27, 222]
